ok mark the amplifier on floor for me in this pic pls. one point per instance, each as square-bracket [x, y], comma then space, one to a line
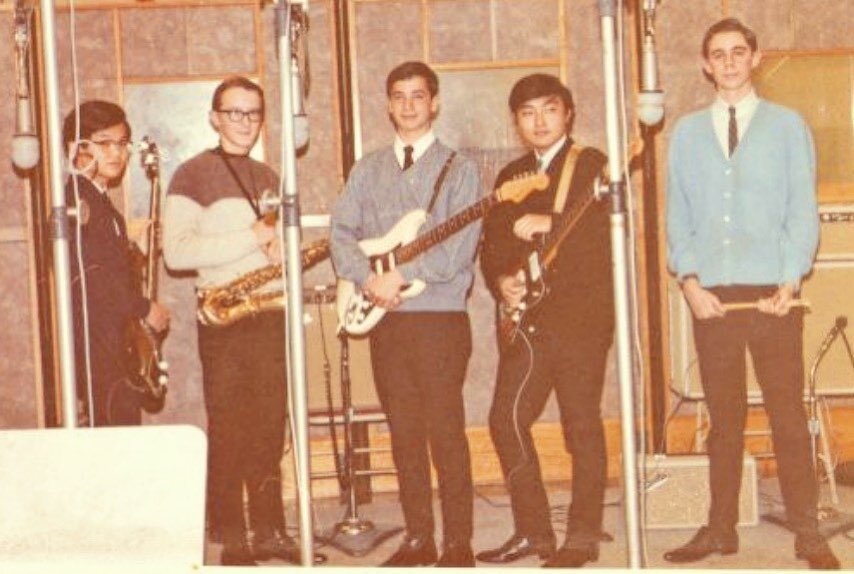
[677, 491]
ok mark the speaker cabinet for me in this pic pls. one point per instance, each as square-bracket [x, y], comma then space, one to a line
[677, 492]
[323, 355]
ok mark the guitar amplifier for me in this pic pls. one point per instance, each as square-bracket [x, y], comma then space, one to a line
[677, 492]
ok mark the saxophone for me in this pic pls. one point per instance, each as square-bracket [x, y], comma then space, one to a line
[226, 304]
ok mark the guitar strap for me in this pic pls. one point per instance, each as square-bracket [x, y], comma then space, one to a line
[566, 177]
[440, 180]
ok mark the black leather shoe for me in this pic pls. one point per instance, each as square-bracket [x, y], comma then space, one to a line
[816, 552]
[573, 556]
[414, 551]
[703, 543]
[456, 555]
[237, 553]
[515, 548]
[282, 546]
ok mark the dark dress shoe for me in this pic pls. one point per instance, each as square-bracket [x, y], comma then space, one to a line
[414, 551]
[704, 543]
[237, 553]
[456, 555]
[573, 556]
[515, 548]
[282, 546]
[816, 552]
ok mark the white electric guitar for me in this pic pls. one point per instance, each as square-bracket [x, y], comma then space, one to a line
[356, 314]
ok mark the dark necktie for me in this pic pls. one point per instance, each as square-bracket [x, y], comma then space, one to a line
[733, 131]
[407, 157]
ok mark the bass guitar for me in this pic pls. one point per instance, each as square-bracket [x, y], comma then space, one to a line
[356, 314]
[148, 371]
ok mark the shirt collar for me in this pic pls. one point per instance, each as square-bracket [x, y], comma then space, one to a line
[419, 146]
[546, 159]
[743, 108]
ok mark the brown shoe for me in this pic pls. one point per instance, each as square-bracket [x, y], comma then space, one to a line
[573, 556]
[704, 543]
[814, 549]
[414, 551]
[517, 547]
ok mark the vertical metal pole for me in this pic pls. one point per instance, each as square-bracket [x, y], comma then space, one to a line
[622, 305]
[290, 220]
[59, 227]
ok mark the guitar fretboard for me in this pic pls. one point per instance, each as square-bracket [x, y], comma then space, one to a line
[444, 230]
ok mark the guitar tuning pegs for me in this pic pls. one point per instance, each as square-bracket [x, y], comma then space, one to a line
[162, 380]
[163, 365]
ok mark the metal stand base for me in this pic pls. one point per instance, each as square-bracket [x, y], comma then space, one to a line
[357, 537]
[830, 521]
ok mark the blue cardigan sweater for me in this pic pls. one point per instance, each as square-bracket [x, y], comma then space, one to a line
[751, 219]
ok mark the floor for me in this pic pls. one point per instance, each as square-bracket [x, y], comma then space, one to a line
[765, 545]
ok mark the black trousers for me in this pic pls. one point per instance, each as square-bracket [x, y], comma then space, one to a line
[572, 363]
[419, 361]
[243, 366]
[776, 347]
[114, 402]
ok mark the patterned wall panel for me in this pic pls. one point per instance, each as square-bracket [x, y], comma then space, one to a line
[154, 42]
[18, 401]
[453, 38]
[387, 33]
[220, 40]
[526, 29]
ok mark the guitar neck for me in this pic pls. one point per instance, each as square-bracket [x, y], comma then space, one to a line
[152, 256]
[564, 225]
[444, 230]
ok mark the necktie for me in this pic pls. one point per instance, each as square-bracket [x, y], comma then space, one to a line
[541, 165]
[733, 131]
[407, 157]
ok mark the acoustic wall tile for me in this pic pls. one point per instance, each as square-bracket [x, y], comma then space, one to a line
[823, 24]
[527, 29]
[387, 34]
[154, 42]
[221, 40]
[17, 364]
[453, 37]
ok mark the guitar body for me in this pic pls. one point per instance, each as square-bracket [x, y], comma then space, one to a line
[356, 314]
[148, 370]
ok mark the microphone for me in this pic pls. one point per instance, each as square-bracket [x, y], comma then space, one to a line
[301, 133]
[25, 143]
[651, 98]
[838, 327]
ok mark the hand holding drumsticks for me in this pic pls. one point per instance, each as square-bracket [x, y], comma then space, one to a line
[705, 304]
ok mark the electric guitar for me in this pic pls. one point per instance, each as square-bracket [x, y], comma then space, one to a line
[148, 371]
[356, 314]
[534, 267]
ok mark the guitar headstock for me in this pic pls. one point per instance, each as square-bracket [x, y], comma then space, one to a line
[520, 187]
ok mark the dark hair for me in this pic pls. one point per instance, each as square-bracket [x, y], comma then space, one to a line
[729, 25]
[537, 86]
[408, 70]
[94, 116]
[235, 82]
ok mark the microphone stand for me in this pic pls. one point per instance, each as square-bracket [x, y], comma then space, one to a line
[830, 520]
[287, 14]
[616, 190]
[59, 224]
[353, 535]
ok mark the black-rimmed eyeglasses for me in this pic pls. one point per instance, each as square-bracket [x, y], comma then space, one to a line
[237, 116]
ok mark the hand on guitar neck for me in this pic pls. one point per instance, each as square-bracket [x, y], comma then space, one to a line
[158, 317]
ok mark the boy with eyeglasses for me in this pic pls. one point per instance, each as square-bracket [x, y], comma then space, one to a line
[213, 225]
[97, 142]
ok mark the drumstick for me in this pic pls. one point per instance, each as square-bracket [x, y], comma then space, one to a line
[755, 304]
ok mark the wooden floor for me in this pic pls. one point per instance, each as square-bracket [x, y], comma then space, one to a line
[765, 546]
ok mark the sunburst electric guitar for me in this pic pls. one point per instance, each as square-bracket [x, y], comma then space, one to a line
[356, 314]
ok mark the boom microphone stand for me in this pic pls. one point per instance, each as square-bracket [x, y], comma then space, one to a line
[290, 15]
[616, 191]
[59, 224]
